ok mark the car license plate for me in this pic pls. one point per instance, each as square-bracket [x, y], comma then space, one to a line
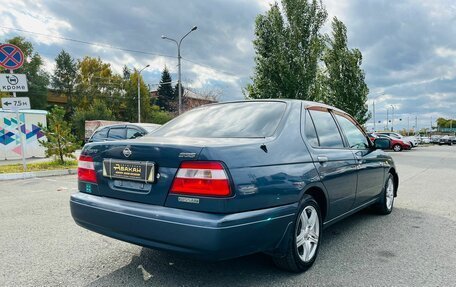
[131, 170]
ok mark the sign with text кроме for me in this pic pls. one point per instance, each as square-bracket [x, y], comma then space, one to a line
[13, 83]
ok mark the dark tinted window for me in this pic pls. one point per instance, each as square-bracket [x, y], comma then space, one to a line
[116, 133]
[134, 133]
[100, 135]
[327, 131]
[245, 119]
[309, 130]
[356, 138]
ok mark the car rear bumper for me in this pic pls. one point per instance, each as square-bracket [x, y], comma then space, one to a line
[200, 235]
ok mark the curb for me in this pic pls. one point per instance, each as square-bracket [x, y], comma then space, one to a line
[35, 174]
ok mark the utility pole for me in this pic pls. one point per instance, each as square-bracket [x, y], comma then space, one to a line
[179, 83]
[387, 119]
[373, 110]
[408, 124]
[392, 121]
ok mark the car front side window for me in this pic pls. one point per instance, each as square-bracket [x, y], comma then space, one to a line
[356, 138]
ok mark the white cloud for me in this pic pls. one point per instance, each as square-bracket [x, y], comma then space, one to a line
[22, 15]
[445, 52]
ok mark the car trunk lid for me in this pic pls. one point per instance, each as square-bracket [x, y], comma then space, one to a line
[160, 156]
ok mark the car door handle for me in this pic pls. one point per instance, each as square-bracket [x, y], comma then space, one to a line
[322, 159]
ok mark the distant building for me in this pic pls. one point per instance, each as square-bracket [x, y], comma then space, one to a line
[55, 98]
[190, 100]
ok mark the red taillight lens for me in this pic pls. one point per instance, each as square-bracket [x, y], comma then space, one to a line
[86, 169]
[206, 178]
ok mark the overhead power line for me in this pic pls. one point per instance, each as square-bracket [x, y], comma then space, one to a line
[88, 43]
[102, 45]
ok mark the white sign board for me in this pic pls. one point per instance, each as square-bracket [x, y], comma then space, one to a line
[13, 83]
[19, 103]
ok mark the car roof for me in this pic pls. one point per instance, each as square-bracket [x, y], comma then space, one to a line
[141, 125]
[307, 104]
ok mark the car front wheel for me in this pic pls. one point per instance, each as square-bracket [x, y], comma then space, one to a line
[303, 245]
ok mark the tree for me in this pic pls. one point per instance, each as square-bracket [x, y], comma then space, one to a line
[37, 78]
[166, 95]
[288, 46]
[64, 77]
[97, 110]
[319, 90]
[347, 87]
[446, 123]
[96, 80]
[60, 141]
[126, 73]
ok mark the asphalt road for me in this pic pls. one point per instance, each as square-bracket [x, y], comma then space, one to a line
[414, 246]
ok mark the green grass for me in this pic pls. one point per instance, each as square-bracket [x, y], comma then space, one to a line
[40, 166]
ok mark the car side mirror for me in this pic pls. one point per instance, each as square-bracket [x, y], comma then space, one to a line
[382, 143]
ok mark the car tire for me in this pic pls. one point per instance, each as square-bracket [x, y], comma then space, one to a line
[300, 256]
[397, 147]
[386, 203]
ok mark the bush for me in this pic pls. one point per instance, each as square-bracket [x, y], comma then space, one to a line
[60, 141]
[159, 116]
[98, 110]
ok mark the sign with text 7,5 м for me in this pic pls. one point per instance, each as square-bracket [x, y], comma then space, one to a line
[19, 103]
[13, 83]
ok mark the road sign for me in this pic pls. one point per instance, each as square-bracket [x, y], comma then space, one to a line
[13, 83]
[11, 57]
[19, 103]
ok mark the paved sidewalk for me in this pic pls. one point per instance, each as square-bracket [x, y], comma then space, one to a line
[33, 160]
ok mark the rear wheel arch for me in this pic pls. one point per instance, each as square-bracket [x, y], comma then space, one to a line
[320, 197]
[393, 172]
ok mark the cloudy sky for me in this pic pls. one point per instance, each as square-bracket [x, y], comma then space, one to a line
[409, 47]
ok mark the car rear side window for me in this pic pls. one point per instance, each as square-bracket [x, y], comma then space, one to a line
[327, 131]
[116, 133]
[232, 120]
[356, 138]
[309, 130]
[100, 135]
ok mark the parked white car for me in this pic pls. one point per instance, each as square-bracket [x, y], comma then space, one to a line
[425, 140]
[412, 140]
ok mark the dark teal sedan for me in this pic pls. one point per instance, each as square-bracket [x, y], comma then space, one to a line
[232, 179]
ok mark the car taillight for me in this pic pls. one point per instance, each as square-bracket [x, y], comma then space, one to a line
[206, 178]
[86, 169]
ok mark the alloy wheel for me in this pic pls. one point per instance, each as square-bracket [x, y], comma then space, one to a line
[389, 194]
[308, 233]
[397, 148]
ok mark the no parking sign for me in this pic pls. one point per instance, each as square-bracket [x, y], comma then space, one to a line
[11, 57]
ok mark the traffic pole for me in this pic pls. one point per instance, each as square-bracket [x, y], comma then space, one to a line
[19, 134]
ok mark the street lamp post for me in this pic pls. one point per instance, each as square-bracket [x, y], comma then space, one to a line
[179, 82]
[139, 94]
[392, 121]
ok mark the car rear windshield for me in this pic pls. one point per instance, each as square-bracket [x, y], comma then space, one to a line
[232, 120]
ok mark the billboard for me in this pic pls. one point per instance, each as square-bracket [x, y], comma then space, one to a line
[27, 126]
